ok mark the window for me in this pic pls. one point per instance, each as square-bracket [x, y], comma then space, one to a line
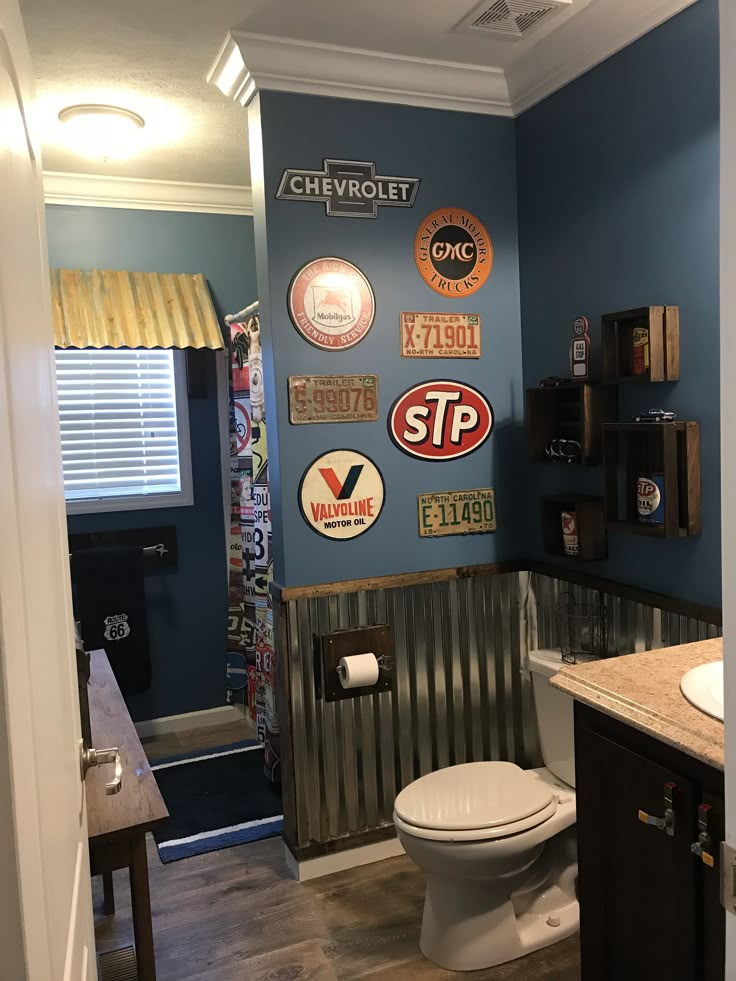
[124, 429]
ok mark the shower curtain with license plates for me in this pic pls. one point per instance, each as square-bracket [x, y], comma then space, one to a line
[251, 662]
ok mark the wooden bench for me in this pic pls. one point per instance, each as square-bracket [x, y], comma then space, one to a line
[117, 824]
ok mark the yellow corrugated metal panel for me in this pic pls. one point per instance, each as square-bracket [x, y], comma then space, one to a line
[106, 308]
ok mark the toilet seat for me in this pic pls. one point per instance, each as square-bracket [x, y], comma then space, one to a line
[474, 802]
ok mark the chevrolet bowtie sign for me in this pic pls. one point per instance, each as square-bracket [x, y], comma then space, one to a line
[349, 188]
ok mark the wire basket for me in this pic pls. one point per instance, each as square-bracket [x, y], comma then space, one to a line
[582, 629]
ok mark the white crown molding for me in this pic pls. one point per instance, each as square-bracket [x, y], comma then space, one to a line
[248, 63]
[599, 34]
[97, 191]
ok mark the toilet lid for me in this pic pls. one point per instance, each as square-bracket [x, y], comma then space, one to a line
[472, 796]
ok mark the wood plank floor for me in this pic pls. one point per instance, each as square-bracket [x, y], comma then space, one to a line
[191, 740]
[236, 915]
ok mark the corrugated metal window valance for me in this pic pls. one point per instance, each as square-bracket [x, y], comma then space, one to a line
[107, 308]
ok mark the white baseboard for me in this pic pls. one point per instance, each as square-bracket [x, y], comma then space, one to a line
[351, 858]
[188, 720]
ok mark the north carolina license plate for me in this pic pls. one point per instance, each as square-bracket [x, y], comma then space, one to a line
[333, 398]
[468, 512]
[440, 335]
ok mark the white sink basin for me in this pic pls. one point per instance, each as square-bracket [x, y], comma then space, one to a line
[703, 686]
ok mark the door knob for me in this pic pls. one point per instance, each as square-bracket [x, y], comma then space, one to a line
[100, 757]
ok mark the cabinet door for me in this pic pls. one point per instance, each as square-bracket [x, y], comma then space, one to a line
[637, 884]
[713, 914]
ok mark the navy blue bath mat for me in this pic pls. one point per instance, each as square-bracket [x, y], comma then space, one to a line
[216, 798]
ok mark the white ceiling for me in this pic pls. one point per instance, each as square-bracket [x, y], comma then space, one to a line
[414, 28]
[153, 56]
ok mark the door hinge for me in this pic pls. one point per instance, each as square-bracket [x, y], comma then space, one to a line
[728, 877]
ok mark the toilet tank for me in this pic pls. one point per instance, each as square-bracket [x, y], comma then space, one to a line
[554, 714]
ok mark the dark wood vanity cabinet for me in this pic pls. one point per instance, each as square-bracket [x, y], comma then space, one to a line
[649, 907]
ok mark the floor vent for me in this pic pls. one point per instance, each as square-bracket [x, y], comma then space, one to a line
[118, 965]
[513, 18]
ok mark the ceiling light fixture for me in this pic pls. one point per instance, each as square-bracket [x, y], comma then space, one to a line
[109, 132]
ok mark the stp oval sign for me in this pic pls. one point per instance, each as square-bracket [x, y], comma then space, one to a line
[440, 420]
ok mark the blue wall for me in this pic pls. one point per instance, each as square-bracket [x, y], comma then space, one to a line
[465, 161]
[187, 606]
[618, 208]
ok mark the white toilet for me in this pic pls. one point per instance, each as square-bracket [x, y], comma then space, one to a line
[498, 845]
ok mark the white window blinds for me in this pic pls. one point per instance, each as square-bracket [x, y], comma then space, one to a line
[120, 429]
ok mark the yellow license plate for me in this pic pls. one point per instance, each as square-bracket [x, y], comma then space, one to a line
[333, 398]
[466, 512]
[440, 335]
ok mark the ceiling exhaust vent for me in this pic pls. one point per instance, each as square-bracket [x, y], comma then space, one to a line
[513, 18]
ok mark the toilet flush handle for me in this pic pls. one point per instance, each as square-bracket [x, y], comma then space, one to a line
[666, 823]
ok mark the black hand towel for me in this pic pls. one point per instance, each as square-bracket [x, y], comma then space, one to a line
[112, 608]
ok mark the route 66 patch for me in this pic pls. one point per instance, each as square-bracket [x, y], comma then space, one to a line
[117, 627]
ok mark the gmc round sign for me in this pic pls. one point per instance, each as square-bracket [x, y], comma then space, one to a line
[440, 420]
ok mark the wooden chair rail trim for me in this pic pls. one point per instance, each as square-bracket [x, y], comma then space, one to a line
[662, 601]
[672, 604]
[287, 593]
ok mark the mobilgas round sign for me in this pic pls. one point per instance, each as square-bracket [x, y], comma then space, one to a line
[331, 303]
[341, 494]
[453, 252]
[440, 420]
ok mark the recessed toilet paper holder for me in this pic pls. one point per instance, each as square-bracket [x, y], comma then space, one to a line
[385, 663]
[331, 648]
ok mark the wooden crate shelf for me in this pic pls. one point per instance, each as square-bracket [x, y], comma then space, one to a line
[573, 410]
[670, 449]
[590, 518]
[617, 331]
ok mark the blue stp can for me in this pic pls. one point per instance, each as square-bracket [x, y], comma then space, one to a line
[650, 499]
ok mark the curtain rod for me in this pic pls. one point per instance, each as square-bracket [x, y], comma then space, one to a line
[233, 318]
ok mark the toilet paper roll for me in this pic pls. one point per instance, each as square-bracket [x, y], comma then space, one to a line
[358, 671]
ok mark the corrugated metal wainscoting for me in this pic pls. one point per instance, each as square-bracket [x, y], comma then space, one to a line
[632, 626]
[459, 695]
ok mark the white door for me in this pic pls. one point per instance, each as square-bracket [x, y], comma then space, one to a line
[46, 931]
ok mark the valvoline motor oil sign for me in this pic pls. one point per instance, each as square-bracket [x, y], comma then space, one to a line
[341, 494]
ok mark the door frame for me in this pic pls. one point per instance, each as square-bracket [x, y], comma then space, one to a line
[728, 423]
[46, 927]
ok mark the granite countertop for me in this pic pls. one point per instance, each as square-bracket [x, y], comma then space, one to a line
[643, 690]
